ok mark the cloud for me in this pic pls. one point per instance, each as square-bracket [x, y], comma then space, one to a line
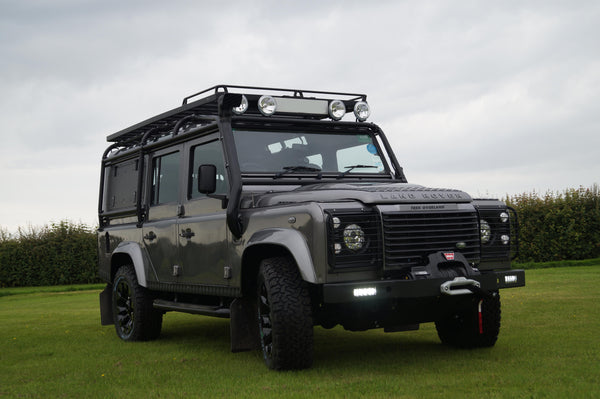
[491, 98]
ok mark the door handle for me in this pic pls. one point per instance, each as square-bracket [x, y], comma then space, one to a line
[150, 236]
[187, 233]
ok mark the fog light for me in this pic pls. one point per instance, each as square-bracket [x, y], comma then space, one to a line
[362, 111]
[505, 239]
[243, 107]
[267, 105]
[337, 110]
[504, 217]
[370, 291]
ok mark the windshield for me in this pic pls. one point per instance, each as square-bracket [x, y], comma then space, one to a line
[276, 151]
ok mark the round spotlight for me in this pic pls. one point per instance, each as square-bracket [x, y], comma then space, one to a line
[243, 107]
[267, 105]
[337, 110]
[485, 231]
[362, 111]
[504, 217]
[354, 237]
[505, 239]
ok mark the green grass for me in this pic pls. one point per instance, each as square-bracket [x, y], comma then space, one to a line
[52, 345]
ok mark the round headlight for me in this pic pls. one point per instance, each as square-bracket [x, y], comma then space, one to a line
[337, 110]
[267, 105]
[362, 111]
[504, 217]
[243, 107]
[354, 237]
[485, 231]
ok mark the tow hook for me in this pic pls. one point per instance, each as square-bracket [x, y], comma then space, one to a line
[463, 286]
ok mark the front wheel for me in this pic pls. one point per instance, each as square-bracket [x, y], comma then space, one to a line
[474, 326]
[133, 313]
[284, 315]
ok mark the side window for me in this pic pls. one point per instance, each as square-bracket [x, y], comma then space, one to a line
[165, 179]
[207, 154]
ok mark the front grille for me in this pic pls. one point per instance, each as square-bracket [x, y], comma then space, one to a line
[411, 237]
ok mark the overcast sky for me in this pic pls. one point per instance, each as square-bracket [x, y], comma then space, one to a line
[491, 97]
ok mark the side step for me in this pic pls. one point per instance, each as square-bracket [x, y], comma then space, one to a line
[215, 311]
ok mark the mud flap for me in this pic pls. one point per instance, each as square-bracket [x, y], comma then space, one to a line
[106, 312]
[244, 325]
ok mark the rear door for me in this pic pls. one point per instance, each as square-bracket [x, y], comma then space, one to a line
[160, 230]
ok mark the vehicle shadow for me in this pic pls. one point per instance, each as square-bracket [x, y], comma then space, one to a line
[332, 348]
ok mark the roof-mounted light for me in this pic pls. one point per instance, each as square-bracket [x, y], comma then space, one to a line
[243, 107]
[337, 110]
[267, 105]
[362, 111]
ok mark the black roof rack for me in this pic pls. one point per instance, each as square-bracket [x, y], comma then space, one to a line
[205, 109]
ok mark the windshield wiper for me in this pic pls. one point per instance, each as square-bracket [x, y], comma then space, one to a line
[350, 168]
[298, 168]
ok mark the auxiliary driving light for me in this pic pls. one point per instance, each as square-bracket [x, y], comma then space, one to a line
[267, 105]
[243, 107]
[362, 111]
[504, 217]
[370, 291]
[337, 110]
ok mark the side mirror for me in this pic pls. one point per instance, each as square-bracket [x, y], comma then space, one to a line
[207, 179]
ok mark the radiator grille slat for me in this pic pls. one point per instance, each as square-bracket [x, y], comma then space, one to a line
[411, 237]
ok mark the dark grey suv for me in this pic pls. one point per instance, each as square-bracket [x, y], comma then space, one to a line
[263, 206]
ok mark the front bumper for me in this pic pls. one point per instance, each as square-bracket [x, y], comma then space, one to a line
[389, 289]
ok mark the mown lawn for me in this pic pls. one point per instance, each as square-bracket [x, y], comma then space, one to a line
[52, 345]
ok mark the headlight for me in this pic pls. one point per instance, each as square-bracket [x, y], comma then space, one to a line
[337, 110]
[243, 107]
[362, 111]
[485, 231]
[267, 105]
[354, 237]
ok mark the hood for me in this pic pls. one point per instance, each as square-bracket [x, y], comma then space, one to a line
[367, 193]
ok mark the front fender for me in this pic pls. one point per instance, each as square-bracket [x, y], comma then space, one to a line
[294, 242]
[139, 257]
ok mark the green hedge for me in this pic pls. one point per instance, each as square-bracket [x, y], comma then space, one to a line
[553, 227]
[558, 226]
[59, 254]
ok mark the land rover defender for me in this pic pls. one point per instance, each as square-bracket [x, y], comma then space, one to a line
[269, 207]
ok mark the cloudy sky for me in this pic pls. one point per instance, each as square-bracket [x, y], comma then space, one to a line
[494, 98]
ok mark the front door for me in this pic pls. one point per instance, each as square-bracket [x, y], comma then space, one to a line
[202, 229]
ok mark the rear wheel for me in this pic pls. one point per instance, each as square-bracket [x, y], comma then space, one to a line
[284, 315]
[133, 313]
[474, 326]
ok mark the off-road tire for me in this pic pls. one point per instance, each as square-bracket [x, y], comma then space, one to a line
[284, 315]
[134, 316]
[461, 329]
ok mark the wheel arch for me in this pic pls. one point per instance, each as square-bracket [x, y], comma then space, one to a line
[130, 253]
[271, 243]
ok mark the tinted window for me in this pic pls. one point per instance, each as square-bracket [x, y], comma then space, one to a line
[165, 178]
